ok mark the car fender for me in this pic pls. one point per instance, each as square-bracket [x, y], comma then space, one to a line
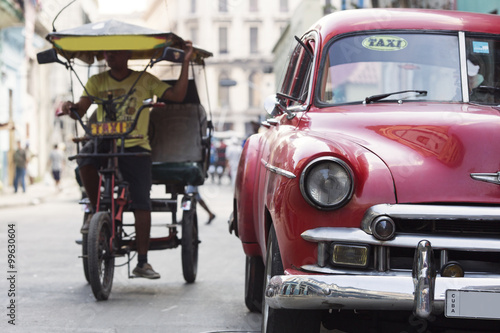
[291, 214]
[245, 191]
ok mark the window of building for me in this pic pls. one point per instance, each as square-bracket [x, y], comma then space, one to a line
[283, 5]
[223, 95]
[193, 31]
[254, 5]
[254, 40]
[223, 6]
[193, 6]
[223, 47]
[253, 93]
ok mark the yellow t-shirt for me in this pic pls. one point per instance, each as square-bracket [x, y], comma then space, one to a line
[148, 86]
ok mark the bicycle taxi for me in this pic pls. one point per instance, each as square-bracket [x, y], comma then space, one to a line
[179, 134]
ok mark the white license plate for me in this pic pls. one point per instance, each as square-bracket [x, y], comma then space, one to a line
[473, 304]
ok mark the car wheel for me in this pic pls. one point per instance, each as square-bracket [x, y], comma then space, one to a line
[254, 279]
[284, 320]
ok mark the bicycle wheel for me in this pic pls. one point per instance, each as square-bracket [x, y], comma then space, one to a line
[85, 260]
[101, 262]
[189, 243]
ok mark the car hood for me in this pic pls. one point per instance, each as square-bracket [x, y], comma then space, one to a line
[430, 149]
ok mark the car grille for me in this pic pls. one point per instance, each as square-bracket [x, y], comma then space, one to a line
[460, 227]
[469, 236]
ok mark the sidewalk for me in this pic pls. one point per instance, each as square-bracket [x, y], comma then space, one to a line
[36, 193]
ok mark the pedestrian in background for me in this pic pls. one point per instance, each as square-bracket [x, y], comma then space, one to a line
[220, 164]
[20, 161]
[56, 160]
[31, 164]
[233, 153]
[194, 190]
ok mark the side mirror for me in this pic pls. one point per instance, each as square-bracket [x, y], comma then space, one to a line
[171, 54]
[271, 104]
[48, 57]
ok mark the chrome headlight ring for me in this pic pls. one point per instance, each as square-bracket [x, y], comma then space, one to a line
[327, 183]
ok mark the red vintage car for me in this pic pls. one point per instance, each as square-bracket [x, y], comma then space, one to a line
[370, 199]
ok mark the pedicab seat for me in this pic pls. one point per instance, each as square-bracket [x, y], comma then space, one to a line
[190, 173]
[178, 152]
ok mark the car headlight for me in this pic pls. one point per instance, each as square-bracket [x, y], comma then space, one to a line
[327, 183]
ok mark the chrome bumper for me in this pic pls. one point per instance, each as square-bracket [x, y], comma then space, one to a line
[420, 291]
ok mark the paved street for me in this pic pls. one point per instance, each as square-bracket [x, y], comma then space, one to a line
[51, 294]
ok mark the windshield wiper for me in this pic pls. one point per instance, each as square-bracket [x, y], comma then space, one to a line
[375, 98]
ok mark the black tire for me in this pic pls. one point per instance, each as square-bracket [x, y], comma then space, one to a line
[284, 320]
[189, 243]
[85, 260]
[101, 262]
[254, 283]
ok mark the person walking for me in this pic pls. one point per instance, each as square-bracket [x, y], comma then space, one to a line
[20, 161]
[56, 160]
[194, 190]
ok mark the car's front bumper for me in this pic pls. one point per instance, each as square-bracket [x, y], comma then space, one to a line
[421, 291]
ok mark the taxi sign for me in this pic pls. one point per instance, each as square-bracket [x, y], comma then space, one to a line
[384, 43]
[109, 128]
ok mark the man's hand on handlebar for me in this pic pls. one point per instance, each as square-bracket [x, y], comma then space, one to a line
[81, 107]
[66, 109]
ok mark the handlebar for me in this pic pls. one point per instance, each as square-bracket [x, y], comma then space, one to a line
[122, 136]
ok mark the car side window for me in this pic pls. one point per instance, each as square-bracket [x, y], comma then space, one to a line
[483, 68]
[295, 86]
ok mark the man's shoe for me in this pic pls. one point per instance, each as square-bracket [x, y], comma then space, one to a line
[86, 224]
[146, 271]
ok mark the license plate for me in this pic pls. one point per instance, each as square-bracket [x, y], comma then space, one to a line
[474, 304]
[115, 127]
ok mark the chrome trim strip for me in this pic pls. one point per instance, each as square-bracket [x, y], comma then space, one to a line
[348, 271]
[277, 170]
[361, 292]
[392, 272]
[429, 212]
[463, 66]
[355, 235]
[493, 178]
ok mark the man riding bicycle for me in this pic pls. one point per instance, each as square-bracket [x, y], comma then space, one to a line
[136, 170]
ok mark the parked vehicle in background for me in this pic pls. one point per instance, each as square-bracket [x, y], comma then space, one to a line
[371, 200]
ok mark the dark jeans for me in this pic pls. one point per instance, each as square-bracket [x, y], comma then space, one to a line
[20, 175]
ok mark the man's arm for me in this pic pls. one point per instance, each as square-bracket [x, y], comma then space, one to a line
[177, 93]
[81, 106]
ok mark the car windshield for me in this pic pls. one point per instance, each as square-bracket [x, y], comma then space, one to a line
[483, 69]
[361, 66]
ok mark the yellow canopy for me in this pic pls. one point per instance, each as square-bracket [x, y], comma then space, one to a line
[90, 40]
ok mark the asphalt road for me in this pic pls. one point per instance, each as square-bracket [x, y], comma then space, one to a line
[45, 289]
[51, 294]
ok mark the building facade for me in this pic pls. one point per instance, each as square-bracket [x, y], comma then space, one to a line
[29, 92]
[241, 35]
